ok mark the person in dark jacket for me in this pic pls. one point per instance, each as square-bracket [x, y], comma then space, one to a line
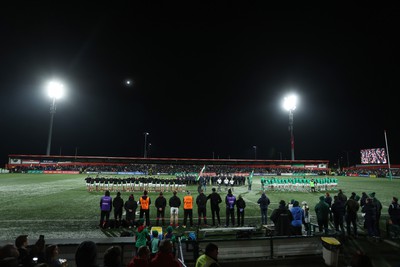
[240, 206]
[322, 212]
[105, 207]
[378, 206]
[174, 202]
[215, 199]
[230, 202]
[264, 202]
[130, 208]
[118, 205]
[370, 217]
[201, 201]
[160, 204]
[394, 211]
[86, 254]
[338, 210]
[352, 206]
[282, 218]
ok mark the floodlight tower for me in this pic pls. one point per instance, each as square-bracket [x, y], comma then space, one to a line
[145, 144]
[55, 91]
[289, 103]
[255, 152]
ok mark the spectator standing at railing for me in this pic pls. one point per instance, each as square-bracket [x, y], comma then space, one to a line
[352, 206]
[201, 201]
[322, 212]
[118, 205]
[144, 203]
[160, 204]
[187, 209]
[174, 202]
[105, 207]
[230, 202]
[264, 202]
[215, 199]
[240, 206]
[378, 206]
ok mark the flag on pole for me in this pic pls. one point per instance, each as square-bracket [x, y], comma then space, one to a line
[201, 173]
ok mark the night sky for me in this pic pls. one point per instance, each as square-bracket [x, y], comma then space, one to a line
[207, 81]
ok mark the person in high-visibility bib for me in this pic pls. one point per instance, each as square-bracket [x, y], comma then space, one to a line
[187, 209]
[144, 203]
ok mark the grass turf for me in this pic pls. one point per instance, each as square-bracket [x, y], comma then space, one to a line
[59, 206]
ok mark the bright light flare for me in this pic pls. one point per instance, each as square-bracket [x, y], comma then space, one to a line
[55, 90]
[289, 102]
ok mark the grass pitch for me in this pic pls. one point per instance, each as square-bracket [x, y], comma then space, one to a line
[59, 206]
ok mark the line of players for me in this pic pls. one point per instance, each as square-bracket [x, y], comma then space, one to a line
[157, 184]
[299, 184]
[131, 184]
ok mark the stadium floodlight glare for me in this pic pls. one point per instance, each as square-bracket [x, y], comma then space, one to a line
[145, 144]
[55, 91]
[289, 104]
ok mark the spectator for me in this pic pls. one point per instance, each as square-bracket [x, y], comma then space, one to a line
[170, 235]
[370, 217]
[306, 220]
[105, 207]
[352, 206]
[144, 203]
[24, 259]
[282, 219]
[9, 255]
[52, 259]
[130, 208]
[215, 199]
[201, 201]
[264, 202]
[112, 257]
[363, 199]
[141, 259]
[142, 234]
[209, 258]
[174, 203]
[328, 200]
[155, 242]
[322, 212]
[378, 206]
[164, 257]
[118, 205]
[86, 254]
[230, 201]
[160, 204]
[297, 221]
[338, 210]
[240, 206]
[394, 211]
[187, 209]
[38, 251]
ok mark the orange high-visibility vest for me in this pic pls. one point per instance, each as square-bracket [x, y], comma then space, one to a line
[144, 203]
[187, 202]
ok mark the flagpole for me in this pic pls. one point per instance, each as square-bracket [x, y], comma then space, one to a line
[387, 150]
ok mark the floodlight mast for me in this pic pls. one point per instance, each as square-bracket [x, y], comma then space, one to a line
[289, 103]
[145, 144]
[55, 91]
